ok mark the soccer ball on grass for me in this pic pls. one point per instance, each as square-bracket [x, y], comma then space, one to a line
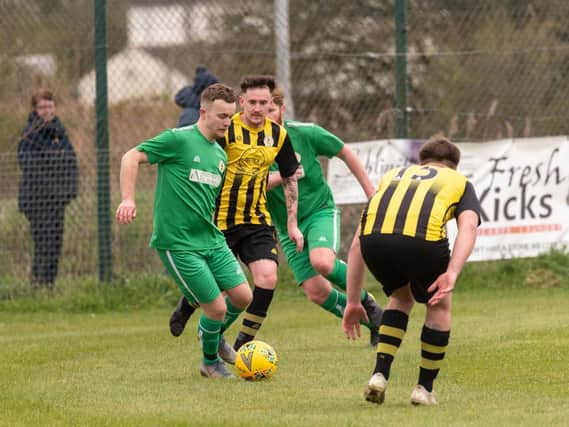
[256, 360]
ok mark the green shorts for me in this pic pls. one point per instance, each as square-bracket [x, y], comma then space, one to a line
[201, 276]
[320, 230]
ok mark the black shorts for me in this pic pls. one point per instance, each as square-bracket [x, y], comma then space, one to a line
[252, 242]
[396, 260]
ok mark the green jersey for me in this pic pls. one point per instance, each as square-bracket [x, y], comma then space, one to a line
[309, 141]
[190, 174]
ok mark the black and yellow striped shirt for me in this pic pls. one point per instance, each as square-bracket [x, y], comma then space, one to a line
[418, 201]
[250, 153]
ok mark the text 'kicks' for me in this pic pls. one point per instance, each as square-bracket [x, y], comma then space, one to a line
[374, 314]
[375, 391]
[226, 352]
[215, 370]
[180, 316]
[420, 396]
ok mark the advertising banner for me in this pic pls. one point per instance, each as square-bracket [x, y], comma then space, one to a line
[522, 184]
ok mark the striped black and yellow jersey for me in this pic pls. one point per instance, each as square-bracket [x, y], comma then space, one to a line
[418, 201]
[250, 153]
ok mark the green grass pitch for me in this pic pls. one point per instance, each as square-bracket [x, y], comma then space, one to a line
[507, 365]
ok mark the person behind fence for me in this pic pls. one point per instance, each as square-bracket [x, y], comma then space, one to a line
[317, 267]
[188, 98]
[191, 171]
[48, 183]
[402, 240]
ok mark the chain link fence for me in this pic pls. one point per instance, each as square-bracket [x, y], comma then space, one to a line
[476, 70]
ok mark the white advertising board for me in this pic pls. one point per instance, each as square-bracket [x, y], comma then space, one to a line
[522, 184]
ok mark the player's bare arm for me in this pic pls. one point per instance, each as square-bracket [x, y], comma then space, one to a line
[354, 310]
[463, 245]
[355, 166]
[275, 178]
[290, 186]
[126, 212]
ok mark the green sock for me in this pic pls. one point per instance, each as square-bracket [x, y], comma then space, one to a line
[209, 332]
[230, 316]
[339, 274]
[335, 303]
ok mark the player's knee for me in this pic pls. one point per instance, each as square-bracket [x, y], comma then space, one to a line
[216, 312]
[316, 298]
[442, 308]
[322, 265]
[266, 280]
[404, 306]
[401, 301]
[244, 298]
[240, 296]
[438, 318]
[315, 292]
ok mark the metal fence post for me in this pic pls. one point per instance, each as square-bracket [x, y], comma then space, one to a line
[401, 68]
[102, 143]
[282, 53]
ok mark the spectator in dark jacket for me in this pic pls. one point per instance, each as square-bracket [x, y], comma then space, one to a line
[48, 183]
[188, 97]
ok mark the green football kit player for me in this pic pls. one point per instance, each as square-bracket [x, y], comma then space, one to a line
[316, 267]
[253, 143]
[191, 169]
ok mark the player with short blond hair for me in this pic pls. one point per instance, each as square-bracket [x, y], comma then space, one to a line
[191, 170]
[253, 143]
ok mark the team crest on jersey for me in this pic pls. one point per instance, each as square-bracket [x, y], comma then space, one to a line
[221, 166]
[268, 141]
[251, 161]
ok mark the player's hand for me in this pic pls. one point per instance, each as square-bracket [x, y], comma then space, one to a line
[126, 212]
[442, 286]
[353, 313]
[296, 236]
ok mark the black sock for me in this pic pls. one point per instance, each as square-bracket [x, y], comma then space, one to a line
[433, 347]
[391, 332]
[188, 308]
[254, 315]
